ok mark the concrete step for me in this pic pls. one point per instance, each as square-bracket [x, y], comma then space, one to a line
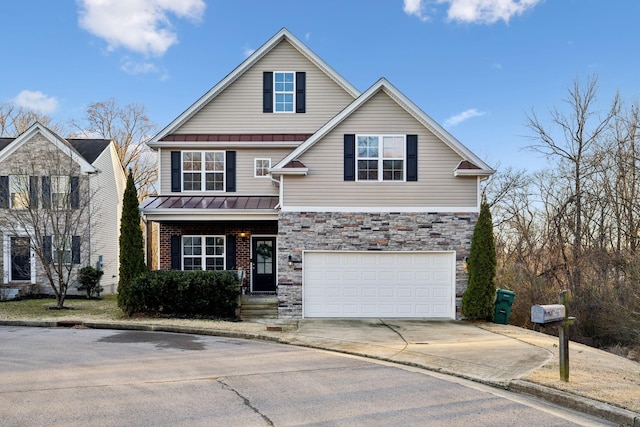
[258, 307]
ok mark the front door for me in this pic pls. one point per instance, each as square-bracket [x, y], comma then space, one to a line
[263, 250]
[20, 258]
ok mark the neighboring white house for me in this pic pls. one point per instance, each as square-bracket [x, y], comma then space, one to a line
[96, 172]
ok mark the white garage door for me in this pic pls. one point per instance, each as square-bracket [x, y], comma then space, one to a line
[379, 284]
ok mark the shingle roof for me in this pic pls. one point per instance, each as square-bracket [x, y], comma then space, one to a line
[89, 149]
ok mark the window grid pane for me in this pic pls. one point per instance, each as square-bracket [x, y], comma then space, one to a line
[380, 157]
[60, 190]
[203, 252]
[203, 170]
[19, 189]
[284, 89]
[262, 167]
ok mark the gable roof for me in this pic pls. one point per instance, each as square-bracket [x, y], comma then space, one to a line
[9, 145]
[480, 169]
[281, 35]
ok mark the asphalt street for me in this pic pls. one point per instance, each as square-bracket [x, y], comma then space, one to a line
[88, 377]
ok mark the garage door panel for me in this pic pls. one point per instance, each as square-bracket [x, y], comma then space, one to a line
[364, 284]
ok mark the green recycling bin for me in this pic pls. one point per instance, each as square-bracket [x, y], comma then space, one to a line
[502, 310]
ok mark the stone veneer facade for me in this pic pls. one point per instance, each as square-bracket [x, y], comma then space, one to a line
[333, 231]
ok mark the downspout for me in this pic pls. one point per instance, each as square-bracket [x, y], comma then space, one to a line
[280, 193]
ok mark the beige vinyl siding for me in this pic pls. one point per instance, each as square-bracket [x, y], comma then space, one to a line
[238, 108]
[108, 187]
[325, 185]
[246, 183]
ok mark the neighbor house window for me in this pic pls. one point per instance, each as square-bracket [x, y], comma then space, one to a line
[19, 191]
[61, 250]
[203, 170]
[60, 191]
[284, 91]
[203, 252]
[380, 157]
[261, 168]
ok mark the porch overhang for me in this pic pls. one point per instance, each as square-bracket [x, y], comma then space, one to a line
[210, 208]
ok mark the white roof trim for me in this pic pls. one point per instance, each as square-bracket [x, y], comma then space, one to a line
[382, 209]
[472, 172]
[208, 215]
[59, 142]
[289, 171]
[283, 34]
[409, 106]
[225, 144]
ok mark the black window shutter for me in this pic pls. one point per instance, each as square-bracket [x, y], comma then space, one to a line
[46, 192]
[267, 92]
[349, 157]
[231, 172]
[33, 192]
[412, 157]
[176, 259]
[176, 171]
[46, 248]
[301, 83]
[231, 253]
[75, 249]
[4, 192]
[75, 192]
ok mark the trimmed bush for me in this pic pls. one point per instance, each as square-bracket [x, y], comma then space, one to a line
[187, 293]
[89, 279]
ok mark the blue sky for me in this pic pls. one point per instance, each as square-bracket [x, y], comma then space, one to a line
[475, 66]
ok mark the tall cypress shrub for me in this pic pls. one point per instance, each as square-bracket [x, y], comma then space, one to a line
[478, 300]
[131, 243]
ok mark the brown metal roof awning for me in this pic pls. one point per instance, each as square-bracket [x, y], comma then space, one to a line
[211, 202]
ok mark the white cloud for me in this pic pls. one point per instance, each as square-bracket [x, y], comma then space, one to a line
[132, 67]
[247, 51]
[465, 115]
[415, 8]
[141, 26]
[36, 101]
[473, 11]
[487, 11]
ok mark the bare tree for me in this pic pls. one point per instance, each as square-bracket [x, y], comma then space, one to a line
[46, 200]
[129, 128]
[15, 120]
[571, 139]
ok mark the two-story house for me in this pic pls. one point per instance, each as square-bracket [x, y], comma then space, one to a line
[341, 203]
[49, 185]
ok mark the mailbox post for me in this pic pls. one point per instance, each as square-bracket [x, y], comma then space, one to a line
[556, 315]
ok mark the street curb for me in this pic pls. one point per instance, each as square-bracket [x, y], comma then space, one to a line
[596, 408]
[583, 404]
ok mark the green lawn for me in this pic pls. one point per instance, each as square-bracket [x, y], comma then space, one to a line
[106, 308]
